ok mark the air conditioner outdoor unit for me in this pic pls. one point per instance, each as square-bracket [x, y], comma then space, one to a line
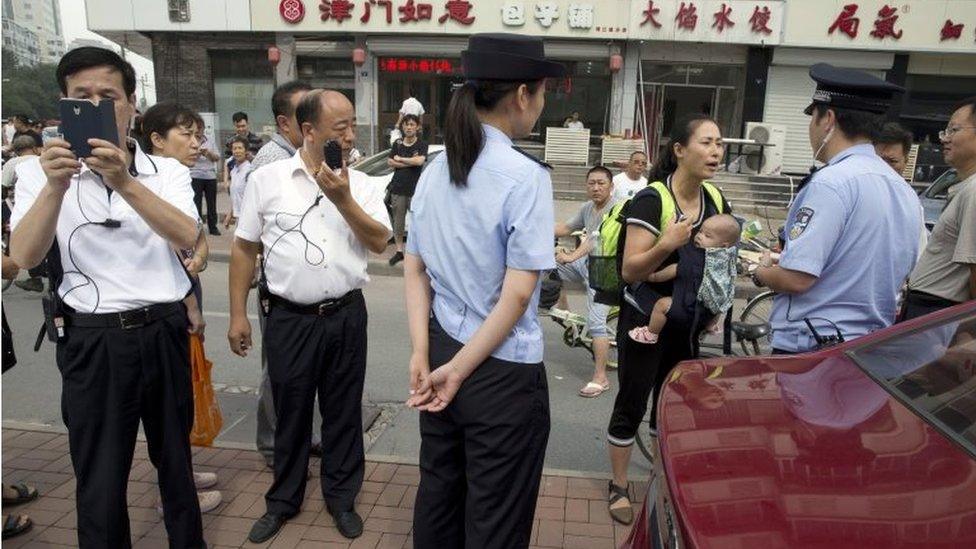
[773, 135]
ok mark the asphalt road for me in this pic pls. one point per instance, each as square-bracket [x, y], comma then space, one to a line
[31, 390]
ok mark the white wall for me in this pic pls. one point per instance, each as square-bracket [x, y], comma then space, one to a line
[153, 15]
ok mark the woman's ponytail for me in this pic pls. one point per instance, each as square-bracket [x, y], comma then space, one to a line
[463, 136]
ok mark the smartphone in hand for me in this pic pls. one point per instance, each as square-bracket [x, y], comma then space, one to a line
[333, 154]
[82, 120]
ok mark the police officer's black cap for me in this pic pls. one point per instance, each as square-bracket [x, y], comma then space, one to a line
[851, 89]
[504, 56]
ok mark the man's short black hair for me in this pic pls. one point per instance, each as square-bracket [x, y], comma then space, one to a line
[971, 103]
[854, 123]
[644, 154]
[238, 116]
[281, 99]
[893, 133]
[88, 57]
[601, 169]
[309, 108]
[23, 118]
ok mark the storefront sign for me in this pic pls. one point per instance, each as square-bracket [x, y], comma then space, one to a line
[413, 65]
[729, 21]
[916, 25]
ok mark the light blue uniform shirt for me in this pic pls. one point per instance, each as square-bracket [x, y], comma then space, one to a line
[855, 227]
[468, 236]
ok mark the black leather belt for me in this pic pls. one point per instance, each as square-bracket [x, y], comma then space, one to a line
[322, 308]
[928, 299]
[126, 320]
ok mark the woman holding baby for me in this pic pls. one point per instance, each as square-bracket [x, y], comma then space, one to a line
[660, 250]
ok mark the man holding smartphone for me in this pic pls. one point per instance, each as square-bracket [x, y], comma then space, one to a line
[317, 223]
[108, 224]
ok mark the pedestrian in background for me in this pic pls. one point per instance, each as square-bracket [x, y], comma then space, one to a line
[317, 226]
[853, 229]
[172, 131]
[123, 353]
[242, 129]
[480, 234]
[203, 175]
[946, 272]
[628, 182]
[407, 157]
[236, 170]
[26, 148]
[893, 144]
[282, 146]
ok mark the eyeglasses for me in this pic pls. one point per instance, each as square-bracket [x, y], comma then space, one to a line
[947, 133]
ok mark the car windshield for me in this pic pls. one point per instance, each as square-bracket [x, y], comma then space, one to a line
[376, 166]
[933, 372]
[940, 188]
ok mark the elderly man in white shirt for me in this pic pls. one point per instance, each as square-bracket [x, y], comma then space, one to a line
[108, 225]
[317, 227]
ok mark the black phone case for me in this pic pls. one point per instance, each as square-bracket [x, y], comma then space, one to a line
[333, 155]
[82, 120]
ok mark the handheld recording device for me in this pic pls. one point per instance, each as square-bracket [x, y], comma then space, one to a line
[333, 154]
[82, 120]
[825, 341]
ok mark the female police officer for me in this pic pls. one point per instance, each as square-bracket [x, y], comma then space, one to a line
[480, 233]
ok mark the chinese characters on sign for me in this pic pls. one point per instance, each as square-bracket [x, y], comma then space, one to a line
[950, 31]
[687, 17]
[846, 22]
[513, 14]
[418, 12]
[292, 11]
[424, 66]
[760, 20]
[580, 16]
[411, 11]
[649, 14]
[546, 13]
[884, 25]
[723, 18]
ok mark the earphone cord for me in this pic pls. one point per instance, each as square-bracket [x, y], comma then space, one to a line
[77, 270]
[297, 228]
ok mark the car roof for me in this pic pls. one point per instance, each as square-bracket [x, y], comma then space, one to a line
[809, 451]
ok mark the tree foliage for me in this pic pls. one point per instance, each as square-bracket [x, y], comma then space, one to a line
[29, 90]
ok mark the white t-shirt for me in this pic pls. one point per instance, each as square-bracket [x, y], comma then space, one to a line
[238, 183]
[575, 125]
[624, 188]
[311, 252]
[412, 106]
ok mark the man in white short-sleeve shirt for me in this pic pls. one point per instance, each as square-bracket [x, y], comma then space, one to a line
[109, 224]
[316, 226]
[632, 179]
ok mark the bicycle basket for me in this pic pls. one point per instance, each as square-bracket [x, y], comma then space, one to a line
[604, 278]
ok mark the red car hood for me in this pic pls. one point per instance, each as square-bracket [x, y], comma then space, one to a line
[807, 451]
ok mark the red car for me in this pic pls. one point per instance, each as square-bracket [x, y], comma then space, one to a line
[869, 444]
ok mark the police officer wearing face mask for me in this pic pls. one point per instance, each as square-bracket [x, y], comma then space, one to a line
[316, 225]
[852, 230]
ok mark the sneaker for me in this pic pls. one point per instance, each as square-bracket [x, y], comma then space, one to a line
[35, 284]
[204, 480]
[397, 257]
[208, 501]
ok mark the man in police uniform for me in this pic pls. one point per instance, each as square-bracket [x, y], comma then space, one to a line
[852, 231]
[122, 349]
[316, 226]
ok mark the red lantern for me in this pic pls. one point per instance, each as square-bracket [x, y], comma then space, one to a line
[359, 56]
[616, 62]
[274, 55]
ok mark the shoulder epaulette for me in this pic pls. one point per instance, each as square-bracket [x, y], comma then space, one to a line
[534, 159]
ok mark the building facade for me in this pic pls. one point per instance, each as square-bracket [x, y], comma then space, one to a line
[43, 19]
[636, 66]
[21, 41]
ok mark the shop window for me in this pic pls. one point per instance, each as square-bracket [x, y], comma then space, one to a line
[243, 81]
[329, 74]
[179, 11]
[586, 91]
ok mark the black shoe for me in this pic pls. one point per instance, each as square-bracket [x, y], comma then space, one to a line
[214, 231]
[348, 522]
[266, 527]
[316, 449]
[35, 284]
[397, 257]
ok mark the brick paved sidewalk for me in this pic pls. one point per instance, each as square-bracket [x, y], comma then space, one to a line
[571, 511]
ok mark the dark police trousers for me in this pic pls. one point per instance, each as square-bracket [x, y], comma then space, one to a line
[111, 378]
[481, 457]
[323, 353]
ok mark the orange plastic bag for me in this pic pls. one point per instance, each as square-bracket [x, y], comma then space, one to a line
[207, 419]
